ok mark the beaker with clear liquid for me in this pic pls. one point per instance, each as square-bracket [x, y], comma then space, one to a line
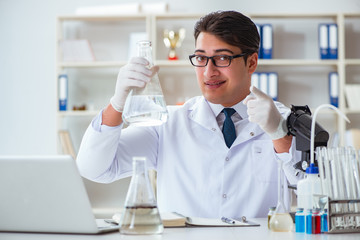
[141, 215]
[146, 106]
[281, 220]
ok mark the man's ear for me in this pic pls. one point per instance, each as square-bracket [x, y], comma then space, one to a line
[252, 62]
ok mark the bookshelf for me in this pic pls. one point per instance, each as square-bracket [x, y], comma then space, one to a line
[302, 74]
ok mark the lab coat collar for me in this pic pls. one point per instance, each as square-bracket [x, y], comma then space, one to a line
[240, 108]
[202, 113]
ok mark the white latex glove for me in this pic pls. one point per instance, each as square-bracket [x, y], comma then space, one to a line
[134, 74]
[262, 110]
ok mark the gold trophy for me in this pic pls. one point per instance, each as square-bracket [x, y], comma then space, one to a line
[173, 40]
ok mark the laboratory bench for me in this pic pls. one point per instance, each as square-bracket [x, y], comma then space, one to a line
[192, 233]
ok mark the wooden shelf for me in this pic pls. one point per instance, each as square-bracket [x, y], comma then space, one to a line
[95, 64]
[85, 113]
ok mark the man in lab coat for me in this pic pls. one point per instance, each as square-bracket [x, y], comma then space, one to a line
[198, 173]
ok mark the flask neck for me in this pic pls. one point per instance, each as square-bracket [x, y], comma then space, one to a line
[139, 166]
[145, 51]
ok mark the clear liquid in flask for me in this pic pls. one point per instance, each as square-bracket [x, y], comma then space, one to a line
[146, 110]
[141, 220]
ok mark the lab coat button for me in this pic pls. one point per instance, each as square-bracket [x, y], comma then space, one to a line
[227, 159]
[213, 129]
[252, 134]
[224, 195]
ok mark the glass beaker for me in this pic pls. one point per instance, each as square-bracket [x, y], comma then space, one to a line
[146, 106]
[281, 220]
[141, 215]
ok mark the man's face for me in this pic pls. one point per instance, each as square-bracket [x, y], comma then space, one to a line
[223, 85]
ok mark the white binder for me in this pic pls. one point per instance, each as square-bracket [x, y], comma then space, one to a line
[63, 92]
[264, 82]
[273, 85]
[333, 41]
[267, 41]
[255, 80]
[334, 88]
[324, 41]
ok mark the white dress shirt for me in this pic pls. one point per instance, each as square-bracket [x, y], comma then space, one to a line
[197, 174]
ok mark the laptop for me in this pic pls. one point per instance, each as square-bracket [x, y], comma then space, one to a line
[45, 194]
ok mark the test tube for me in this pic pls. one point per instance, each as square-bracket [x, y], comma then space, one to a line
[333, 153]
[356, 170]
[348, 175]
[321, 153]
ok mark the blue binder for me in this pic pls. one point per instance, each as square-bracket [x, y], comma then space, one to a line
[333, 41]
[324, 40]
[267, 41]
[63, 92]
[334, 88]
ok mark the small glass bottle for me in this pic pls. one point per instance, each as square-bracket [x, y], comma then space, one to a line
[324, 221]
[270, 213]
[316, 221]
[281, 220]
[141, 215]
[300, 220]
[146, 106]
[308, 222]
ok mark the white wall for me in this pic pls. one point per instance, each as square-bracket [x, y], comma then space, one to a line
[27, 59]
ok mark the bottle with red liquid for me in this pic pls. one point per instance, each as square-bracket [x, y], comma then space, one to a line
[316, 221]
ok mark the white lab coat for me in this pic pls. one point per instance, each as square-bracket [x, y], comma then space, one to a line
[197, 175]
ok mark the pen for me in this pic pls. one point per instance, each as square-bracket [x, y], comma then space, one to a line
[227, 220]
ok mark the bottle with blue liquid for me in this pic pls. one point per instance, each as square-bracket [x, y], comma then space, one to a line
[308, 221]
[300, 220]
[324, 221]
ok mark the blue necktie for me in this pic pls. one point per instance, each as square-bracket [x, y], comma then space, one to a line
[229, 128]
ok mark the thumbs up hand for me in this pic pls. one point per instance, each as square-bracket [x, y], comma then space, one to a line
[262, 110]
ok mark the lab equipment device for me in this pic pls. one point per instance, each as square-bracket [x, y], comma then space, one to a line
[141, 215]
[339, 175]
[146, 106]
[299, 125]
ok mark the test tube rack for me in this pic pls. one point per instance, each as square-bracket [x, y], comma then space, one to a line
[343, 216]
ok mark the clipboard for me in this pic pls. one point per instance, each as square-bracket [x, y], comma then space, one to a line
[173, 219]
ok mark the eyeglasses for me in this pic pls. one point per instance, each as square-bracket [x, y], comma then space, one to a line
[217, 60]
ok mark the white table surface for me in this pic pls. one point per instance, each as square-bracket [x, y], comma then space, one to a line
[192, 233]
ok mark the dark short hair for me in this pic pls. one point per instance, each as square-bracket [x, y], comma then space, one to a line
[231, 27]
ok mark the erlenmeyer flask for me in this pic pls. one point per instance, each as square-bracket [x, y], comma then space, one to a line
[141, 215]
[146, 107]
[281, 220]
